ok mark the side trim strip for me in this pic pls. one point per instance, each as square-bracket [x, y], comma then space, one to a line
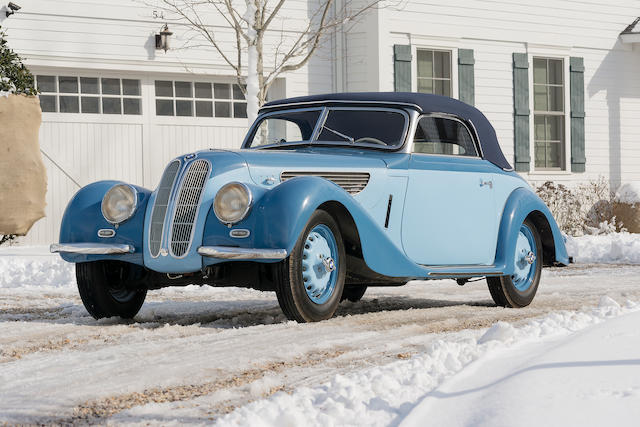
[228, 252]
[92, 248]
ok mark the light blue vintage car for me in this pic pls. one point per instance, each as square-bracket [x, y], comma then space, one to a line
[329, 194]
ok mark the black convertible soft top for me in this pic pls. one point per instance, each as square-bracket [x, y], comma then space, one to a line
[423, 102]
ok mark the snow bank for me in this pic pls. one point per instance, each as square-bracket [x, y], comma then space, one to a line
[384, 395]
[33, 266]
[614, 248]
[628, 193]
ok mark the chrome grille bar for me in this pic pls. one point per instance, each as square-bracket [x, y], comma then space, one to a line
[352, 182]
[159, 213]
[186, 207]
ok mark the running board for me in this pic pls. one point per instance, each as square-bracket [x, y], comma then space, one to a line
[455, 271]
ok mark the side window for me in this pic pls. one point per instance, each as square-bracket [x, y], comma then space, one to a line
[438, 135]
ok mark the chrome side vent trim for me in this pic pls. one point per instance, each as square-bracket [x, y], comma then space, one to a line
[159, 212]
[352, 182]
[186, 207]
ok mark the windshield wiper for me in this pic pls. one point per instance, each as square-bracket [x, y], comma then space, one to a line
[342, 135]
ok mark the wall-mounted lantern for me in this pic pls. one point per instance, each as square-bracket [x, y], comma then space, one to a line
[162, 39]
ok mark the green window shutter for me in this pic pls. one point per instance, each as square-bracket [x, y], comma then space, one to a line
[402, 68]
[521, 111]
[578, 158]
[466, 79]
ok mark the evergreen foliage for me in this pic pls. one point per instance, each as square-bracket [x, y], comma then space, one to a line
[15, 77]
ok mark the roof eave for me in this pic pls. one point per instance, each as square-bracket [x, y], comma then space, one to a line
[629, 38]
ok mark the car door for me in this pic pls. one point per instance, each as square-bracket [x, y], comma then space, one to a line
[450, 212]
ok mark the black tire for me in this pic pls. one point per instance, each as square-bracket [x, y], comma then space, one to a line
[353, 293]
[290, 288]
[108, 288]
[503, 290]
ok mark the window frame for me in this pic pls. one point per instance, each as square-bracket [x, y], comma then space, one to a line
[453, 51]
[564, 169]
[470, 130]
[193, 99]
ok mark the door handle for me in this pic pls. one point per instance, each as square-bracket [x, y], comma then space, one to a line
[484, 183]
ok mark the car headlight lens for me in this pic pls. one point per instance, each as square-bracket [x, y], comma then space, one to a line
[119, 204]
[232, 202]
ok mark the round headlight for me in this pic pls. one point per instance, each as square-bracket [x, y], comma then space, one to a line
[232, 202]
[119, 204]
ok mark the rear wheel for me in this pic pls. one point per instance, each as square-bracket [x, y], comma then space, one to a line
[519, 289]
[310, 281]
[108, 288]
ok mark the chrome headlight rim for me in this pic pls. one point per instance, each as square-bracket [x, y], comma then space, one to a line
[132, 210]
[244, 213]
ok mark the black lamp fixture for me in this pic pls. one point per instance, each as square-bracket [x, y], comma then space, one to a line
[13, 8]
[162, 39]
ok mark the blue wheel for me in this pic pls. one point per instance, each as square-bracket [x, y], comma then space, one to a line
[311, 281]
[519, 289]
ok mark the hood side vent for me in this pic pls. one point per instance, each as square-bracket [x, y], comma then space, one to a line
[351, 182]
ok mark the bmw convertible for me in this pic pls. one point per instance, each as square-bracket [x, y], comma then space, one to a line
[328, 195]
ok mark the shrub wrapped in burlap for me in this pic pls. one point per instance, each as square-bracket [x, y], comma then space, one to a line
[627, 206]
[23, 178]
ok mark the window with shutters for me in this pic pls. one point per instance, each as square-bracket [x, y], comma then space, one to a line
[434, 71]
[549, 113]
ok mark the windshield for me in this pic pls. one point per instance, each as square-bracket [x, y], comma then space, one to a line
[374, 127]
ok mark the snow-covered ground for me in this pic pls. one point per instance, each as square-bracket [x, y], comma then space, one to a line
[402, 355]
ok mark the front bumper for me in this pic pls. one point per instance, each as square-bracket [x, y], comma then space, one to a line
[228, 252]
[92, 248]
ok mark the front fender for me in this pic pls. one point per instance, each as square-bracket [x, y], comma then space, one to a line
[280, 216]
[522, 203]
[83, 218]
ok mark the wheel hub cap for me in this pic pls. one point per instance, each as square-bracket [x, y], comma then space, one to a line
[319, 264]
[525, 259]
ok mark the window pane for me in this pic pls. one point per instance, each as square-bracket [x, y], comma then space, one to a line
[555, 71]
[442, 64]
[539, 70]
[89, 85]
[110, 105]
[111, 86]
[363, 126]
[204, 108]
[442, 87]
[90, 104]
[164, 107]
[240, 110]
[184, 108]
[425, 63]
[131, 105]
[540, 154]
[164, 88]
[131, 87]
[223, 109]
[48, 103]
[69, 104]
[425, 85]
[67, 85]
[287, 126]
[555, 98]
[539, 128]
[222, 91]
[47, 84]
[183, 90]
[436, 135]
[237, 92]
[554, 128]
[540, 98]
[203, 90]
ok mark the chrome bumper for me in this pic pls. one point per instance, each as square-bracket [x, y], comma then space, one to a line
[226, 252]
[92, 248]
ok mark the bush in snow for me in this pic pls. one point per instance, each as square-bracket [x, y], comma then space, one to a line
[14, 76]
[584, 209]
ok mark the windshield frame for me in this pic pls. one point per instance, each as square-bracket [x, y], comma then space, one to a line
[325, 110]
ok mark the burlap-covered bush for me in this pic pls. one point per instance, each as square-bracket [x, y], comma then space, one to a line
[627, 206]
[23, 178]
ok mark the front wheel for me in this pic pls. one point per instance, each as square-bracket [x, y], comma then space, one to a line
[310, 281]
[519, 289]
[108, 288]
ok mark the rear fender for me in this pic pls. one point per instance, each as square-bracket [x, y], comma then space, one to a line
[523, 203]
[83, 218]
